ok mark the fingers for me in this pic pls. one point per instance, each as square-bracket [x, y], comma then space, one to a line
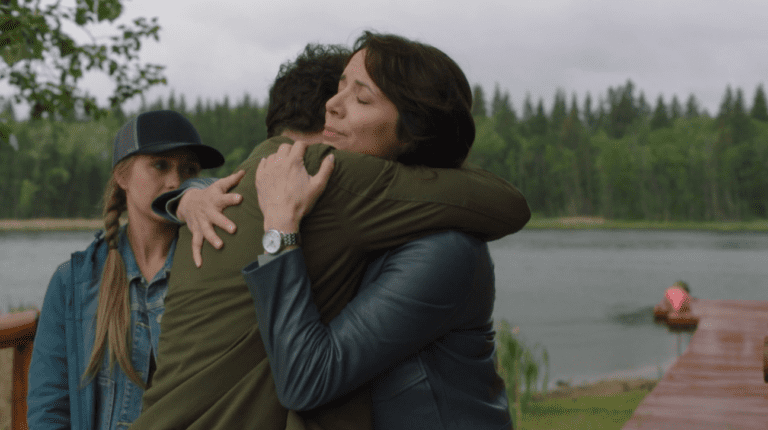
[283, 151]
[224, 223]
[217, 217]
[288, 152]
[212, 237]
[229, 199]
[299, 149]
[230, 181]
[219, 190]
[319, 181]
[208, 207]
[197, 244]
[262, 164]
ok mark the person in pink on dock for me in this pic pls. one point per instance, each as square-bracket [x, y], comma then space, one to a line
[675, 307]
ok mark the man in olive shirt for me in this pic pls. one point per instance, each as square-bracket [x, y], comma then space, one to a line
[213, 371]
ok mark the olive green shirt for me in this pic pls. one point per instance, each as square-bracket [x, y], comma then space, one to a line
[213, 372]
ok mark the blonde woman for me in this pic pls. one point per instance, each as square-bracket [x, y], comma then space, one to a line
[96, 342]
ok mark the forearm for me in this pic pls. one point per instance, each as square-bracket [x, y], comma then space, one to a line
[404, 307]
[284, 304]
[386, 204]
[166, 204]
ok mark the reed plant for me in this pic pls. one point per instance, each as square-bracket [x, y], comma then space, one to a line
[520, 366]
[11, 308]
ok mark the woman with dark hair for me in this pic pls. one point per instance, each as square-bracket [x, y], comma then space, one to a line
[431, 94]
[419, 331]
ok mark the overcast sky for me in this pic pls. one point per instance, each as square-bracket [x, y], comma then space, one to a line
[217, 48]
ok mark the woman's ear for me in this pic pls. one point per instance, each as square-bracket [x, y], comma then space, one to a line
[122, 173]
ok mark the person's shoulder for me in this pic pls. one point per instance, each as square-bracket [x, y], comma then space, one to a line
[262, 150]
[81, 267]
[84, 259]
[440, 267]
[269, 146]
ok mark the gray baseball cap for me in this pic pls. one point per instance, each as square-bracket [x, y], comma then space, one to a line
[159, 131]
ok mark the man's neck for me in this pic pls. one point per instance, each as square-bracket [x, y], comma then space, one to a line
[307, 137]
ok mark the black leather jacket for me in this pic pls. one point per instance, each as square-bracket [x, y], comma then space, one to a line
[419, 329]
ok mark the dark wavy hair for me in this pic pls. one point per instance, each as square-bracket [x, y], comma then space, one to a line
[432, 96]
[297, 98]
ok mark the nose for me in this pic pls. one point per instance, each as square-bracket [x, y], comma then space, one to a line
[173, 179]
[334, 106]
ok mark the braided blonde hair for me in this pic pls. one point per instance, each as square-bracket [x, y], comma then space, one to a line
[113, 314]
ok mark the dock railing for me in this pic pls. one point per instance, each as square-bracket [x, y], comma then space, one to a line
[17, 331]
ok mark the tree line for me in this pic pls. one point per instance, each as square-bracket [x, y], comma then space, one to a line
[621, 158]
[616, 157]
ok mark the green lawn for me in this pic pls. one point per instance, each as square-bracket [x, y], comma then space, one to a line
[583, 413]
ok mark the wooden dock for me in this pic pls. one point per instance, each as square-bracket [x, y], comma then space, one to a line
[718, 382]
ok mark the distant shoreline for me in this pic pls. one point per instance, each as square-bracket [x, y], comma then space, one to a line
[51, 224]
[597, 223]
[565, 223]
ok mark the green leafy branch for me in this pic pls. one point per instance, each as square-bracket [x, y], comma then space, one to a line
[44, 63]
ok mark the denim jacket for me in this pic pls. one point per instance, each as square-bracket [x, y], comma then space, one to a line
[419, 330]
[59, 397]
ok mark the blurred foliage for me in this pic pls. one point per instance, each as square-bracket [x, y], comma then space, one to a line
[44, 56]
[521, 368]
[58, 169]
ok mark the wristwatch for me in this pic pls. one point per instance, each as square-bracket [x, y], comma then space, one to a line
[274, 241]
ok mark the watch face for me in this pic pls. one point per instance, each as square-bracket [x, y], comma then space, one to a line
[271, 241]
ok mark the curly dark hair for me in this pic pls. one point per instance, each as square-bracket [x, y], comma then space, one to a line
[297, 98]
[432, 96]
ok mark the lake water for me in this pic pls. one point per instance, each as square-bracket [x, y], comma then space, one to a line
[585, 296]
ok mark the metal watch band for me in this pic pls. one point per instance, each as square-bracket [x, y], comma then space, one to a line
[290, 238]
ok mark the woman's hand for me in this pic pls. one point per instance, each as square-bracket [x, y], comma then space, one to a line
[286, 191]
[202, 209]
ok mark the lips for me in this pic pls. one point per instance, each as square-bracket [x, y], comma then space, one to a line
[332, 134]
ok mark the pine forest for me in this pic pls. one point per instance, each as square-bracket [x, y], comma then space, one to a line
[616, 156]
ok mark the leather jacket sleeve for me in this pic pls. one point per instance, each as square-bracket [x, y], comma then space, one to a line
[166, 204]
[418, 290]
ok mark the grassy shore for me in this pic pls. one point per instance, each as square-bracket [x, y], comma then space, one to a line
[572, 223]
[604, 405]
[51, 224]
[583, 223]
